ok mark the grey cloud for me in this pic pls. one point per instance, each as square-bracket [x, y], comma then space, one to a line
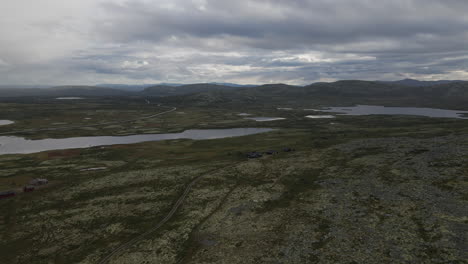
[297, 24]
[296, 41]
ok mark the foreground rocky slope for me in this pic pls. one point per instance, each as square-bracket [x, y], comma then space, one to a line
[398, 206]
[379, 200]
[363, 189]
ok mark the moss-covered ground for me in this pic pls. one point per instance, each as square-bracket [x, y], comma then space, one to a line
[367, 189]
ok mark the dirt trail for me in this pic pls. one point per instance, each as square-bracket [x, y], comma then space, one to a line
[176, 206]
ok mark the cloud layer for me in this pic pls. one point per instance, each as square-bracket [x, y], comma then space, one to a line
[243, 41]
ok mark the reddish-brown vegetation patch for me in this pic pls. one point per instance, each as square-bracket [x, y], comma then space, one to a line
[63, 153]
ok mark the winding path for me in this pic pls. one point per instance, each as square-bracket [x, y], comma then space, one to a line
[176, 206]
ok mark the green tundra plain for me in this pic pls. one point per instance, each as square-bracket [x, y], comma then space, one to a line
[357, 189]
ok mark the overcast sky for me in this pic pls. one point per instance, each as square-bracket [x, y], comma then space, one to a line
[241, 41]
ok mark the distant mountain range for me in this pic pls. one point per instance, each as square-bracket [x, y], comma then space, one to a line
[140, 87]
[453, 95]
[135, 87]
[167, 89]
[417, 83]
[91, 91]
[410, 92]
[24, 86]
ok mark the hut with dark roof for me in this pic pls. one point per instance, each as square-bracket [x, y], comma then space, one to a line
[7, 194]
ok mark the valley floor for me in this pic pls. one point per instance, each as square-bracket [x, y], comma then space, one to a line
[367, 189]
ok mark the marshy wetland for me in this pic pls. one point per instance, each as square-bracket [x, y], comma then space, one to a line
[367, 189]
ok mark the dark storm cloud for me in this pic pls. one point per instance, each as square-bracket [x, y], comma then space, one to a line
[296, 41]
[399, 34]
[290, 24]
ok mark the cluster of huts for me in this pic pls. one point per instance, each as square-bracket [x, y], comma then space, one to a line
[256, 154]
[31, 186]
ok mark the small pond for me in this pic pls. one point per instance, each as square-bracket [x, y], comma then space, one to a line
[265, 119]
[6, 122]
[383, 110]
[320, 116]
[18, 145]
[69, 98]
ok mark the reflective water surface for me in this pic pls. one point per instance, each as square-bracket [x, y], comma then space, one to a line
[5, 122]
[320, 116]
[265, 119]
[17, 145]
[382, 110]
[69, 98]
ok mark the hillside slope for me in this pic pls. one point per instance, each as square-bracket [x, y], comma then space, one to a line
[452, 95]
[166, 90]
[57, 91]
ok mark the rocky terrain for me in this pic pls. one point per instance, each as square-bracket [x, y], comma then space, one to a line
[387, 200]
[368, 189]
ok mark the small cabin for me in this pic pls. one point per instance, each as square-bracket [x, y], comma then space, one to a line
[6, 194]
[38, 182]
[254, 155]
[28, 188]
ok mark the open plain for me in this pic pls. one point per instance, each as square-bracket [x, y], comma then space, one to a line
[356, 189]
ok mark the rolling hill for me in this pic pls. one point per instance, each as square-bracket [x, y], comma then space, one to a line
[166, 90]
[90, 91]
[348, 92]
[450, 95]
[417, 83]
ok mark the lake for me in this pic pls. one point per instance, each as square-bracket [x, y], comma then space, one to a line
[265, 119]
[69, 98]
[383, 110]
[319, 116]
[18, 145]
[6, 122]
